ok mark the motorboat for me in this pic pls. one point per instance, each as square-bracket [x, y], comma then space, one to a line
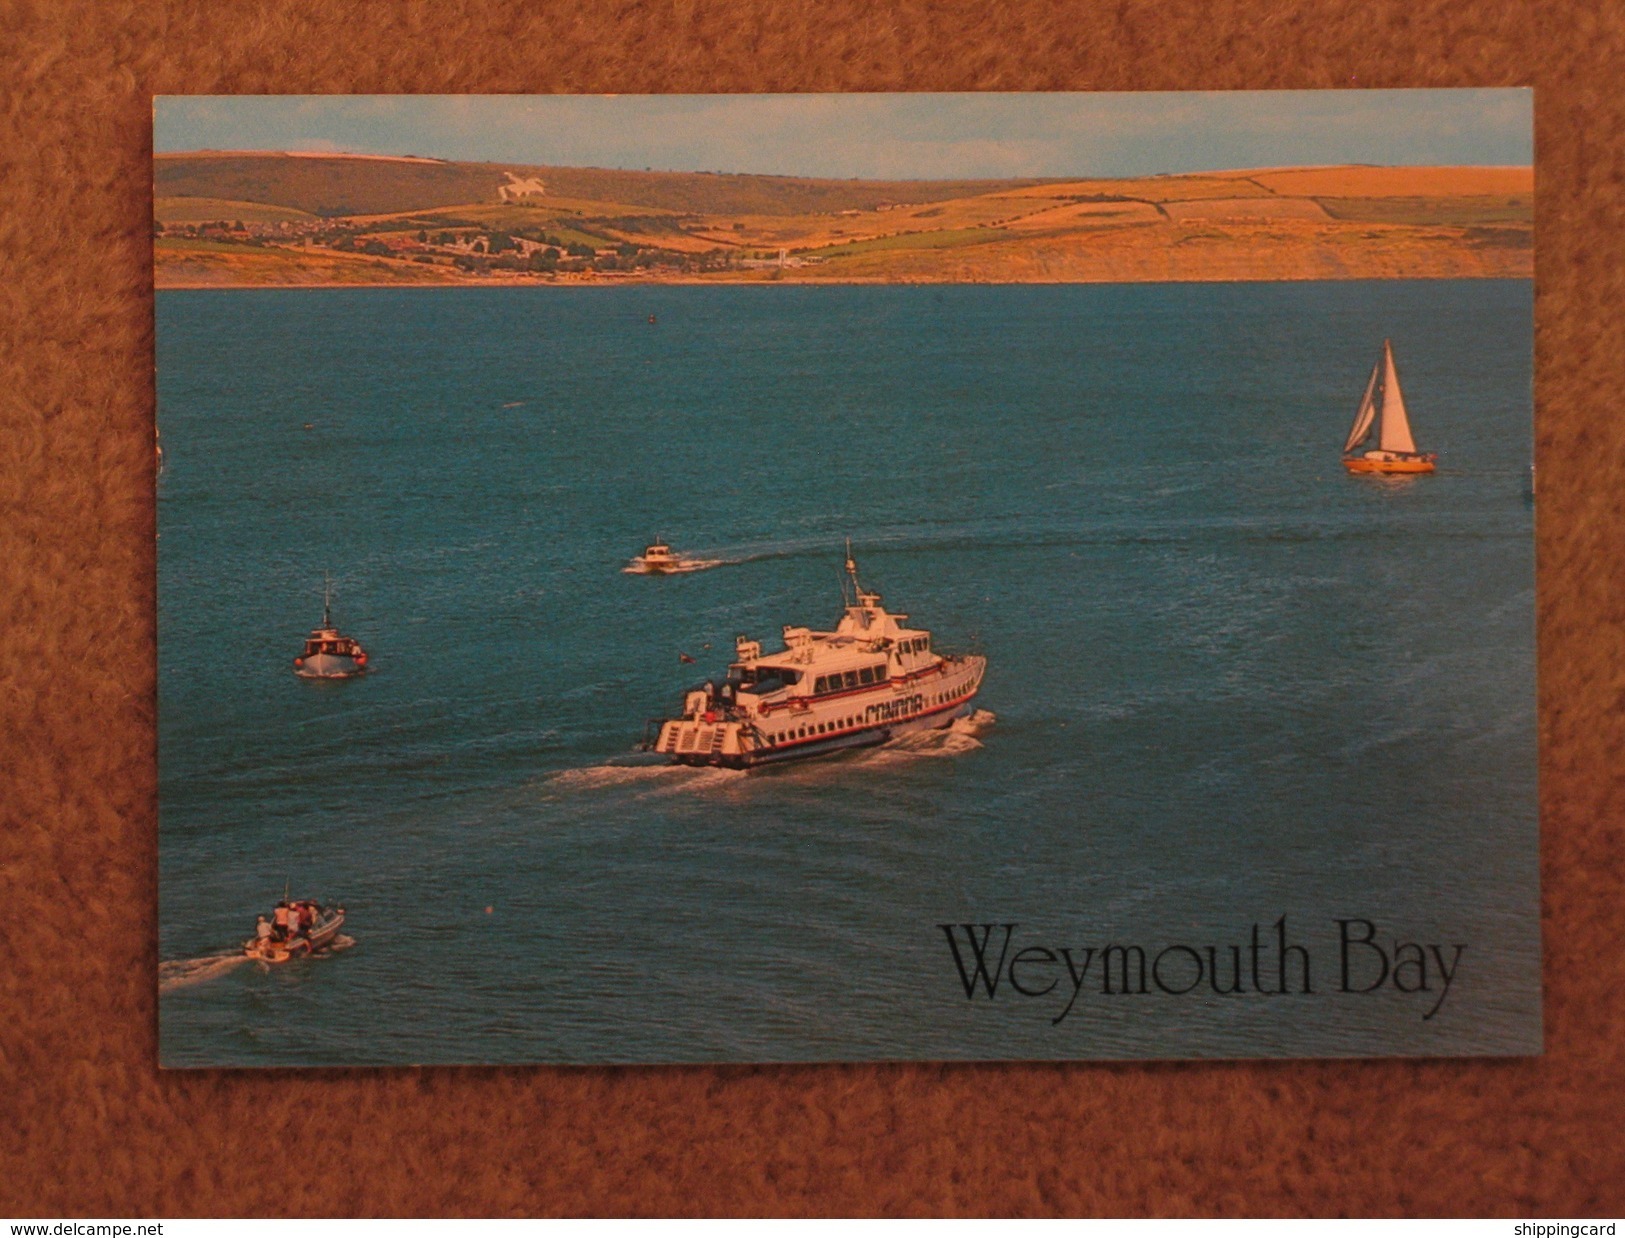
[328, 653]
[657, 559]
[315, 929]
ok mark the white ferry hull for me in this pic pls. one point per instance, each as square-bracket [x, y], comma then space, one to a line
[857, 720]
[867, 737]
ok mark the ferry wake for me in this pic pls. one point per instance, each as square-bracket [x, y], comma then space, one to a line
[869, 681]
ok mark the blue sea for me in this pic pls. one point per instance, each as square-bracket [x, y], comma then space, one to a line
[1235, 700]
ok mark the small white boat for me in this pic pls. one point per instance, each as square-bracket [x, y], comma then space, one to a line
[657, 559]
[328, 653]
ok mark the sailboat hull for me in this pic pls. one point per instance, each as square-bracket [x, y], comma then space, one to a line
[1404, 464]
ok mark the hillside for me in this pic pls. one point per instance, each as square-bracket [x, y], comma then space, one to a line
[352, 185]
[252, 219]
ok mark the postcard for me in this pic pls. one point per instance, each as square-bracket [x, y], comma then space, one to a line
[845, 578]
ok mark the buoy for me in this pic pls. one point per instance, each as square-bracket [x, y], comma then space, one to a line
[360, 659]
[298, 661]
[487, 911]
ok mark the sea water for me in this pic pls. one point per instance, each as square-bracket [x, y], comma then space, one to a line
[1227, 683]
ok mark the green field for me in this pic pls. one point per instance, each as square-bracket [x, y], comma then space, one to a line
[325, 187]
[1449, 212]
[202, 245]
[509, 216]
[948, 238]
[208, 210]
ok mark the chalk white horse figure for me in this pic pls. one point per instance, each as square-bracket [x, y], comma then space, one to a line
[530, 187]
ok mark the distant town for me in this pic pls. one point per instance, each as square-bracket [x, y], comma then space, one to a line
[475, 251]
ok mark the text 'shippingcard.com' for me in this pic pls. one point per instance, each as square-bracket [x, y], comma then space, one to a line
[842, 578]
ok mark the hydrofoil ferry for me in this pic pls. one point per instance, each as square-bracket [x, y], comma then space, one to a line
[868, 681]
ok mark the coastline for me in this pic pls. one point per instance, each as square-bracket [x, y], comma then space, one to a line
[267, 224]
[591, 285]
[1238, 255]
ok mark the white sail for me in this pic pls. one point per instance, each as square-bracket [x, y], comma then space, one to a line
[1363, 416]
[1396, 427]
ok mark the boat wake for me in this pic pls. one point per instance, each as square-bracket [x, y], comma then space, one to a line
[649, 779]
[959, 737]
[183, 973]
[646, 779]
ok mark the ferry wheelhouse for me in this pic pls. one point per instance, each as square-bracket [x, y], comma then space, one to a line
[871, 679]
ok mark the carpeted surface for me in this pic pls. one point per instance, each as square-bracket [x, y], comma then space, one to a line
[91, 1128]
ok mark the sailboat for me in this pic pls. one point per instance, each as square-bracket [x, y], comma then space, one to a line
[1383, 406]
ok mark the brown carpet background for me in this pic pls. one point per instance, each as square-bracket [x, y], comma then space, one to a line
[88, 1126]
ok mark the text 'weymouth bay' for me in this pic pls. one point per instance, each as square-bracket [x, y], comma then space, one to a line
[1268, 965]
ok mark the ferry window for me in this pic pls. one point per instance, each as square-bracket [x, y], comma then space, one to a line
[821, 685]
[880, 673]
[866, 675]
[851, 679]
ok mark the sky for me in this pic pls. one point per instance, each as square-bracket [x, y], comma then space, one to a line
[879, 136]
